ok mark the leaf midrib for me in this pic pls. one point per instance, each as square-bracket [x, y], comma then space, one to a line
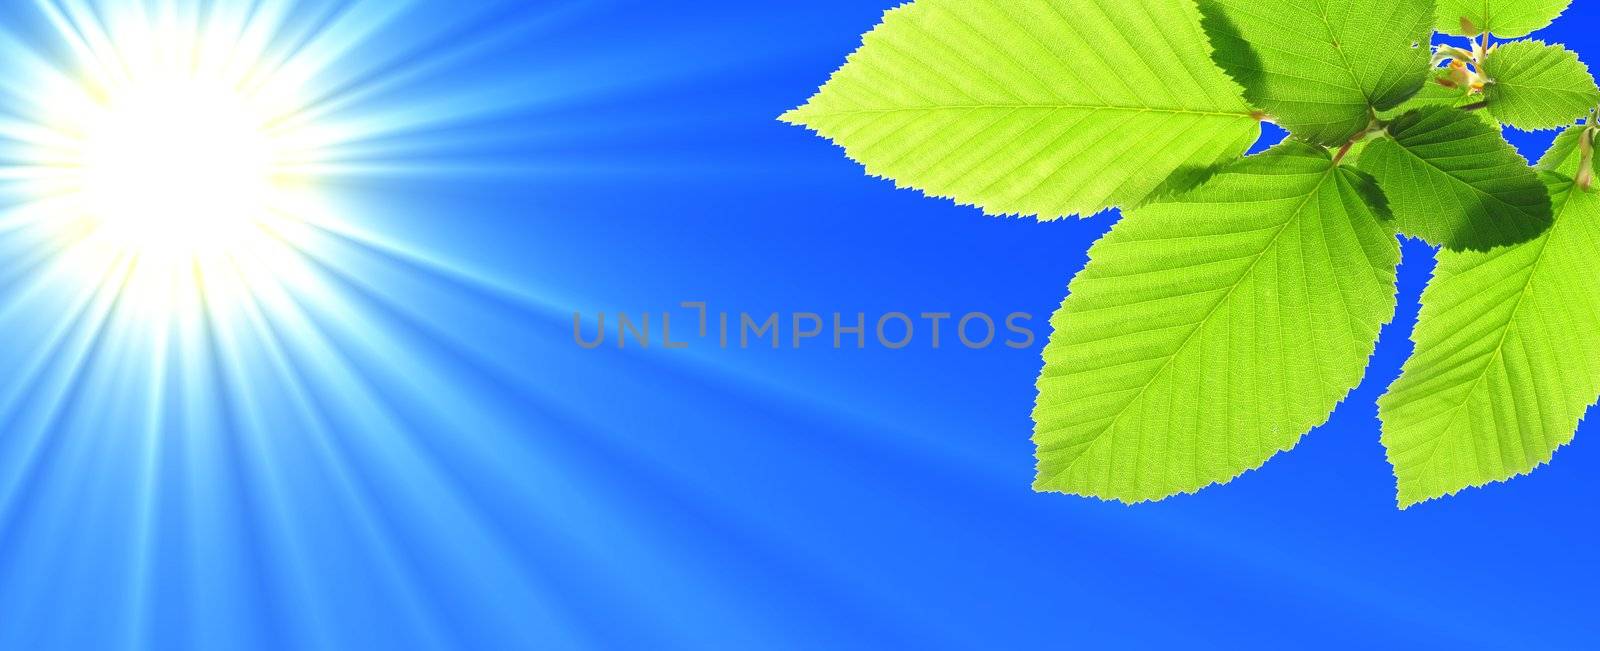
[1054, 106]
[1447, 174]
[1505, 333]
[1338, 46]
[1154, 377]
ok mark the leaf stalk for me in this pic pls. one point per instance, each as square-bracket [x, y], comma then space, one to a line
[1585, 176]
[1377, 126]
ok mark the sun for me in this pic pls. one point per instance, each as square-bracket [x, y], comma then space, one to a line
[176, 167]
[172, 160]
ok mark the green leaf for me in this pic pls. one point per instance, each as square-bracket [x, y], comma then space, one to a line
[1209, 332]
[1454, 181]
[1537, 86]
[1564, 157]
[1035, 107]
[1433, 94]
[1503, 18]
[1322, 67]
[1507, 358]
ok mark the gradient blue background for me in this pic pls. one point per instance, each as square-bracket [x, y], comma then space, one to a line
[448, 470]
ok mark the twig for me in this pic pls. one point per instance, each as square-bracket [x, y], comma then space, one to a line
[1345, 150]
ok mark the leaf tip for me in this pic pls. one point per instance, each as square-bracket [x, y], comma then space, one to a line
[795, 116]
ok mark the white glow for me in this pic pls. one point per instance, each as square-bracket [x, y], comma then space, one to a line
[169, 155]
[176, 168]
[170, 158]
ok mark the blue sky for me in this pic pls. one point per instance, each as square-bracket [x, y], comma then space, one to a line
[394, 442]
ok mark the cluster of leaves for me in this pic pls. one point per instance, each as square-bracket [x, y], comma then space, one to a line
[1238, 300]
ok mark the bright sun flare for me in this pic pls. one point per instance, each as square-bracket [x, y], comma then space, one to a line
[175, 168]
[171, 158]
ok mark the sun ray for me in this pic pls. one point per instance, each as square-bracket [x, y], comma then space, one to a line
[209, 305]
[170, 134]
